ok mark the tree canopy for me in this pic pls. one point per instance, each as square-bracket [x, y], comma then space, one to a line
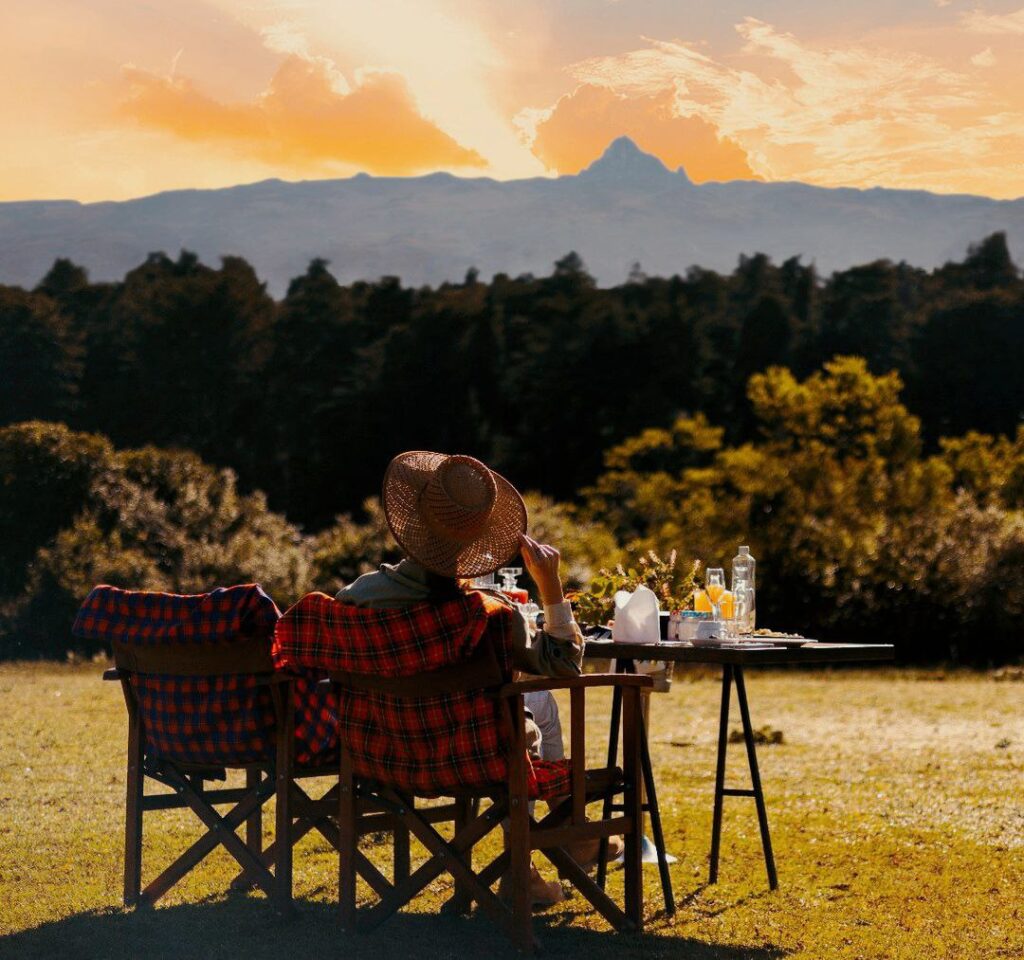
[863, 432]
[309, 397]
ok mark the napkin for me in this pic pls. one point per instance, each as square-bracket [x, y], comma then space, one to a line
[636, 616]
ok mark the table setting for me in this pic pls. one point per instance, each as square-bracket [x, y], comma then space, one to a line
[708, 621]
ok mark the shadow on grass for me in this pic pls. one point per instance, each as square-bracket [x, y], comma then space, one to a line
[693, 899]
[246, 928]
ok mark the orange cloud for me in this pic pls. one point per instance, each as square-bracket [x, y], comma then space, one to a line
[838, 115]
[582, 123]
[307, 119]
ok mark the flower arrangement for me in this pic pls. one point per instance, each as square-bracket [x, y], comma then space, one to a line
[672, 585]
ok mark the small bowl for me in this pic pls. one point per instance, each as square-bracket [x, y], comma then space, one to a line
[708, 634]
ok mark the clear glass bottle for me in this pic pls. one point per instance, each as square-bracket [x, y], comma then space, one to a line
[509, 585]
[743, 577]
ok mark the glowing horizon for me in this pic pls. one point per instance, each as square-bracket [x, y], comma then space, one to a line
[125, 99]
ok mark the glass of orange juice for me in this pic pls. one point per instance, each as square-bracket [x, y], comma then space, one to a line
[715, 586]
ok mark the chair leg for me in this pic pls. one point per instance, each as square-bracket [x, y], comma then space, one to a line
[519, 834]
[462, 901]
[348, 838]
[253, 837]
[402, 858]
[282, 834]
[254, 825]
[284, 763]
[133, 813]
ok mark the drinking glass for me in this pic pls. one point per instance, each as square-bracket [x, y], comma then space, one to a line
[736, 626]
[715, 587]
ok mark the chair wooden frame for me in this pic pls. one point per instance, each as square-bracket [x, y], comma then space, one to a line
[276, 776]
[566, 823]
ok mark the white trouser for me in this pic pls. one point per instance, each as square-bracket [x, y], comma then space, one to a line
[544, 708]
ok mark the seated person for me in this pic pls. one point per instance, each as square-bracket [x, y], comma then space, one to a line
[455, 519]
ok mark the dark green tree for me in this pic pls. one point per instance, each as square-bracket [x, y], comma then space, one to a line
[39, 358]
[969, 354]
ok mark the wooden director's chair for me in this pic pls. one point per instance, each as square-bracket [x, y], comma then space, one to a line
[272, 775]
[565, 824]
[204, 697]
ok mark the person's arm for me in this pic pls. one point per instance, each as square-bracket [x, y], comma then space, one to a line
[557, 650]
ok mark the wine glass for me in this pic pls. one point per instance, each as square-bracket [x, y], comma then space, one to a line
[715, 587]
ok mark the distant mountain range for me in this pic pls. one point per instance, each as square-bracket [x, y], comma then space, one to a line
[625, 208]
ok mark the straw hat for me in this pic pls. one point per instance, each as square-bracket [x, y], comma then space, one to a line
[452, 514]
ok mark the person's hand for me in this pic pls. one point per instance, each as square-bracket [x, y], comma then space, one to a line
[541, 562]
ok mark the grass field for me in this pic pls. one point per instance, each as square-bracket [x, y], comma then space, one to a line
[896, 803]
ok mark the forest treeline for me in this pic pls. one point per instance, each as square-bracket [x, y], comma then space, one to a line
[308, 398]
[180, 430]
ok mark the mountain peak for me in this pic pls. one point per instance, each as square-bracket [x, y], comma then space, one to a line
[624, 160]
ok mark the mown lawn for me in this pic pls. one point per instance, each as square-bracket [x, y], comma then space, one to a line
[896, 803]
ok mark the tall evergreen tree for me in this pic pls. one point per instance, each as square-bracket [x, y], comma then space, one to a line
[40, 361]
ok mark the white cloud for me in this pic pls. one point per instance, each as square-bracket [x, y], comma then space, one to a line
[996, 23]
[985, 58]
[286, 36]
[528, 119]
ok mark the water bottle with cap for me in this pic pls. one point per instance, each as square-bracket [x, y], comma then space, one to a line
[743, 580]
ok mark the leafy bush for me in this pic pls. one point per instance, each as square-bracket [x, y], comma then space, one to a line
[76, 513]
[352, 547]
[585, 544]
[858, 533]
[46, 474]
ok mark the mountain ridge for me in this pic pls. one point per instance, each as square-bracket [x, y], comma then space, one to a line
[626, 206]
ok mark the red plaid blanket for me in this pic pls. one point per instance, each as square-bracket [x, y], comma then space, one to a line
[427, 745]
[217, 720]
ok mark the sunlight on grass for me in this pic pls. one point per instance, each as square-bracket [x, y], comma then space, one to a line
[895, 805]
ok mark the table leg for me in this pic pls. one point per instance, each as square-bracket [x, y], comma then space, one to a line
[655, 814]
[755, 780]
[613, 756]
[723, 741]
[651, 803]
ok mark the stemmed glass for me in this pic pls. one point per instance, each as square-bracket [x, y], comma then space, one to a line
[715, 587]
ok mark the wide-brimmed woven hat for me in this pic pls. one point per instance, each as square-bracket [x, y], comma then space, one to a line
[452, 514]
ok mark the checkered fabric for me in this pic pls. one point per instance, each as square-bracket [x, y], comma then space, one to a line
[220, 720]
[427, 745]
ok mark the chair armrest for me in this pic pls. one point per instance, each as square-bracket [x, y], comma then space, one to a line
[263, 679]
[576, 683]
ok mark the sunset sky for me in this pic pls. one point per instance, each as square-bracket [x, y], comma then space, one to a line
[110, 99]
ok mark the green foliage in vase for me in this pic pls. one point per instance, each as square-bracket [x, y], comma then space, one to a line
[672, 584]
